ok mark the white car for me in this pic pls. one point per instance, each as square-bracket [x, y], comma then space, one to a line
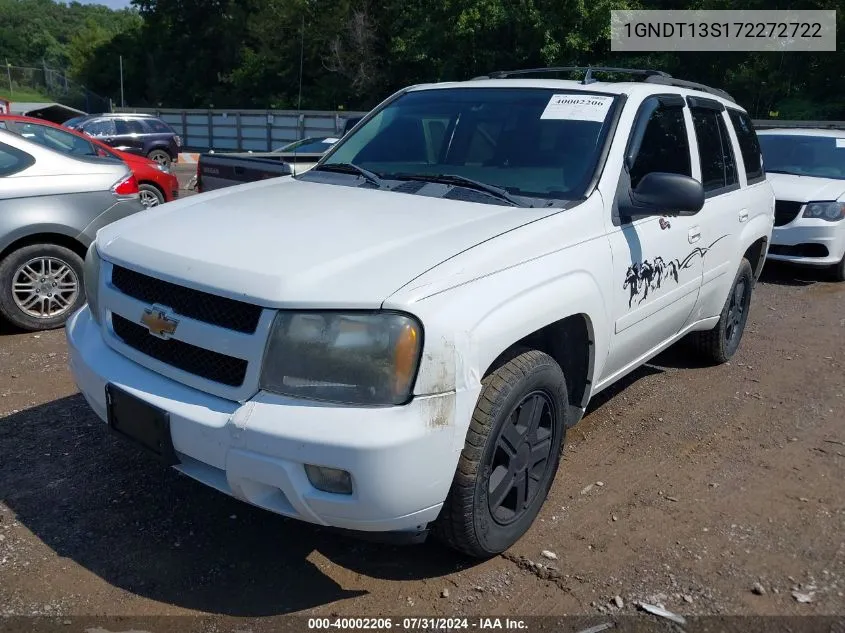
[396, 340]
[807, 170]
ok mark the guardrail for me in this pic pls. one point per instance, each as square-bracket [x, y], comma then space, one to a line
[247, 130]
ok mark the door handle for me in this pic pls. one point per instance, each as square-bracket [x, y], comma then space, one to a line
[743, 215]
[694, 235]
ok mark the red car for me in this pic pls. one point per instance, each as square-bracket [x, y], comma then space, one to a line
[156, 183]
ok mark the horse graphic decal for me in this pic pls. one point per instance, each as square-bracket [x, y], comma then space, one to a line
[644, 277]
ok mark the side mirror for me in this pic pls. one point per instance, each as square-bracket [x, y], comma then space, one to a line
[661, 193]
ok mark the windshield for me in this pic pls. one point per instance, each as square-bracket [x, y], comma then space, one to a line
[820, 156]
[530, 142]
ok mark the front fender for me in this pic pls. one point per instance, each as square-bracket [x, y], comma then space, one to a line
[467, 331]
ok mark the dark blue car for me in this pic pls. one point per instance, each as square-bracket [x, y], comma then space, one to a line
[141, 134]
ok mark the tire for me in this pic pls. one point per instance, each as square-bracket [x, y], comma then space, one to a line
[471, 521]
[839, 271]
[721, 343]
[160, 156]
[21, 275]
[151, 195]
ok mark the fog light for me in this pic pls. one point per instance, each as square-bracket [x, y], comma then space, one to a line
[329, 479]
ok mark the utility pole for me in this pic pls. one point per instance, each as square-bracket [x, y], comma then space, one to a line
[301, 60]
[9, 73]
[122, 102]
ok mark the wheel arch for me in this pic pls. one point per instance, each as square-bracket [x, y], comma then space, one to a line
[570, 341]
[74, 244]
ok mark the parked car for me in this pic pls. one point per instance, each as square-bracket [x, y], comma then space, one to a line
[398, 339]
[156, 183]
[224, 170]
[141, 134]
[51, 206]
[807, 170]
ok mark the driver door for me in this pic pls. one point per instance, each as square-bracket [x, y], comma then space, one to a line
[657, 266]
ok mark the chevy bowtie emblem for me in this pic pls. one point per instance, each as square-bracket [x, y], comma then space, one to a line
[155, 319]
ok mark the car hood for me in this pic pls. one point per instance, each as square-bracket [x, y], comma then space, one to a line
[288, 243]
[805, 188]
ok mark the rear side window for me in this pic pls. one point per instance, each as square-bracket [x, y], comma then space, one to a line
[665, 146]
[718, 166]
[158, 127]
[13, 160]
[749, 145]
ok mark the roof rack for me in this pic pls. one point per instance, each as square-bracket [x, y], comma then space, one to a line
[681, 83]
[649, 76]
[587, 70]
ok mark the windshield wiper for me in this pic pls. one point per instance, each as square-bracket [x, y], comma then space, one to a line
[462, 181]
[349, 168]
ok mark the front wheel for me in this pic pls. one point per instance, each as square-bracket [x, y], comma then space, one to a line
[40, 286]
[510, 458]
[721, 343]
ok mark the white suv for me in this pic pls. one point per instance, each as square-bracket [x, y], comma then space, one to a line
[807, 170]
[398, 339]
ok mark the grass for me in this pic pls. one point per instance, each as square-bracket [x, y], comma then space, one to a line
[23, 93]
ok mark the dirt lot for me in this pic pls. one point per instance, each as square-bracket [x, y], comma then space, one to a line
[685, 486]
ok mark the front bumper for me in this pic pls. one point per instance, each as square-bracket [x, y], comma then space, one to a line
[400, 462]
[804, 241]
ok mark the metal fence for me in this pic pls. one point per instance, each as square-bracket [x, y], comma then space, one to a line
[40, 83]
[247, 130]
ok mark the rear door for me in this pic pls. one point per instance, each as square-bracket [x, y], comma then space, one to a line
[129, 136]
[726, 206]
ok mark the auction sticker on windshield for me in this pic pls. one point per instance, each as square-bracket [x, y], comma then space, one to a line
[577, 108]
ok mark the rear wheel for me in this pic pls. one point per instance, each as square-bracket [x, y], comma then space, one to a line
[150, 195]
[510, 458]
[721, 343]
[41, 286]
[160, 156]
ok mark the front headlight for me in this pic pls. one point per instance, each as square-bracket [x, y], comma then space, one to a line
[163, 168]
[831, 211]
[365, 358]
[91, 279]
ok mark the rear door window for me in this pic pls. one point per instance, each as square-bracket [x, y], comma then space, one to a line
[718, 166]
[129, 126]
[56, 139]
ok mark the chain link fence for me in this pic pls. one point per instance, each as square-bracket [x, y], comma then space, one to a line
[42, 83]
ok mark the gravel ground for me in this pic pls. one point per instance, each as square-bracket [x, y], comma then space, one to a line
[707, 490]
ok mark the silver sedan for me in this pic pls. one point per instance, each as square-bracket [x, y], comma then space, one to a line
[51, 206]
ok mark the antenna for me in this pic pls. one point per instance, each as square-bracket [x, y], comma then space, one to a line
[299, 102]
